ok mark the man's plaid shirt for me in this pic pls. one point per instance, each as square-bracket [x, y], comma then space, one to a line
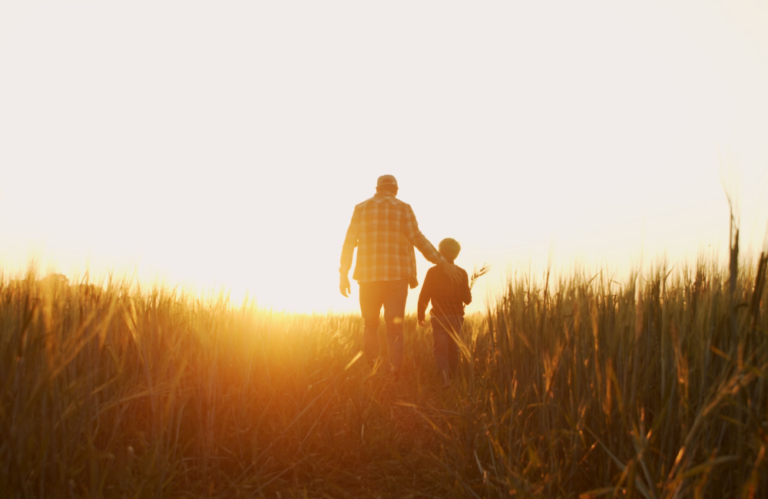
[385, 230]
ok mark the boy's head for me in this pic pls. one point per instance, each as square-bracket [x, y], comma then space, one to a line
[449, 248]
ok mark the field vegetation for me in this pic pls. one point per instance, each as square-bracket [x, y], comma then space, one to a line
[569, 386]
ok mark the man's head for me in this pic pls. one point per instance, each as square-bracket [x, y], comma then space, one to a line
[387, 183]
[449, 248]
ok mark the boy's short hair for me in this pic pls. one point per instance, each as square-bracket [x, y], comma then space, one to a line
[449, 248]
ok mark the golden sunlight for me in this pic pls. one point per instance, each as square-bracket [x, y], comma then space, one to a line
[218, 199]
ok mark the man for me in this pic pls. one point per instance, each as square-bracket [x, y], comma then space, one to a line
[385, 230]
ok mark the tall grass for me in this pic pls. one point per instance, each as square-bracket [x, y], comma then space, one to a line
[583, 386]
[572, 386]
[111, 392]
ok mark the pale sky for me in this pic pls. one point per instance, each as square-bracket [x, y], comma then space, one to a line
[225, 144]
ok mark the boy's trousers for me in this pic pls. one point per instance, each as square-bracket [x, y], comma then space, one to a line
[391, 295]
[446, 350]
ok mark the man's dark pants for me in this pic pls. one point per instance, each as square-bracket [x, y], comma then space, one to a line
[391, 295]
[445, 349]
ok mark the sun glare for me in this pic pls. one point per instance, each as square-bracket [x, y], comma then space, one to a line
[231, 157]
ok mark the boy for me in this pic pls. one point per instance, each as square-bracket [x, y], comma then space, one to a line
[448, 300]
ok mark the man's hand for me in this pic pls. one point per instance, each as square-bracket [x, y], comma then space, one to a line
[344, 285]
[422, 323]
[451, 270]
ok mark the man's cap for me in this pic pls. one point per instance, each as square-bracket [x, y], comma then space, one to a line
[386, 181]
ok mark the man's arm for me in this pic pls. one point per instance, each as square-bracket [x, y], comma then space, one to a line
[414, 235]
[347, 251]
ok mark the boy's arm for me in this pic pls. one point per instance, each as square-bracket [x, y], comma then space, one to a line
[424, 297]
[467, 293]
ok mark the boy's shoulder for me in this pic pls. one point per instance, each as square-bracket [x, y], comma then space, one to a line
[461, 269]
[436, 269]
[463, 273]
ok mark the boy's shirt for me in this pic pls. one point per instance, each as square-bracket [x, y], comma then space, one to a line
[447, 298]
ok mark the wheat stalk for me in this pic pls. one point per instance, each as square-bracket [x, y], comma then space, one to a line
[476, 274]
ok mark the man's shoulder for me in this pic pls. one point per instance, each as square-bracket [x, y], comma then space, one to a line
[395, 202]
[363, 203]
[403, 208]
[390, 200]
[400, 202]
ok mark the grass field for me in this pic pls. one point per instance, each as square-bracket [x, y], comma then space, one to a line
[572, 386]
